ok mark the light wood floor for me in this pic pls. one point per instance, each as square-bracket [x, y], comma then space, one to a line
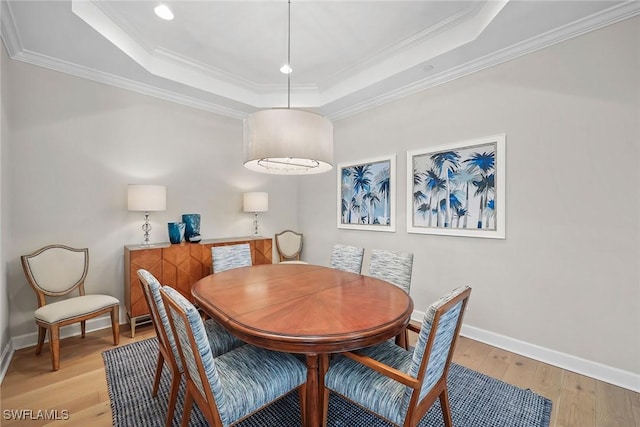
[80, 387]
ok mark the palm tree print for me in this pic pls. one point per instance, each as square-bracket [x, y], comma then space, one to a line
[366, 194]
[455, 188]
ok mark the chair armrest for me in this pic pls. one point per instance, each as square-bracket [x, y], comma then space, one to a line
[413, 328]
[383, 369]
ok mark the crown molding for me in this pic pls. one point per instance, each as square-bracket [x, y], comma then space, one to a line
[8, 30]
[607, 17]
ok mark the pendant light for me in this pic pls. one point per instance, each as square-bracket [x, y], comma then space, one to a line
[287, 141]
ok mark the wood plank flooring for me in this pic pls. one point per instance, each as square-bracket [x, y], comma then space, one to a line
[80, 387]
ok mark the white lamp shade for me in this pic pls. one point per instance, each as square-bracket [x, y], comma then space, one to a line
[288, 142]
[147, 198]
[255, 202]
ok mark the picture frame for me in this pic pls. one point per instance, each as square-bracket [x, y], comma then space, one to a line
[367, 194]
[469, 174]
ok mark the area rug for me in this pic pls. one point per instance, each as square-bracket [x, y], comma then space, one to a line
[476, 399]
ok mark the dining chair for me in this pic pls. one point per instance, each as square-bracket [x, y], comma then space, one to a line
[396, 268]
[230, 256]
[347, 258]
[234, 385]
[220, 340]
[57, 271]
[289, 246]
[399, 385]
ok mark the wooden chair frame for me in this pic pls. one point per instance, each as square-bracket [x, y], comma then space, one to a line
[54, 328]
[164, 354]
[285, 257]
[417, 409]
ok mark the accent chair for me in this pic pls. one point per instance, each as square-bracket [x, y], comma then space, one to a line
[289, 246]
[56, 271]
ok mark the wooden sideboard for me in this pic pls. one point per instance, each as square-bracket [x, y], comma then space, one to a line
[178, 266]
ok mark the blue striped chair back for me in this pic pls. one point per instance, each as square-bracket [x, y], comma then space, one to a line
[433, 350]
[393, 267]
[347, 258]
[230, 256]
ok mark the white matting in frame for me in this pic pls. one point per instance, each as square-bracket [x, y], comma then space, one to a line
[367, 194]
[458, 189]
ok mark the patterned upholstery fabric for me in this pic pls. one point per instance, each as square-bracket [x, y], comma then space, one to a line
[382, 395]
[231, 256]
[443, 338]
[242, 380]
[347, 258]
[220, 340]
[393, 267]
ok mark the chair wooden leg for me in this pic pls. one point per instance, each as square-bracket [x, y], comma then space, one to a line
[325, 406]
[173, 396]
[156, 380]
[446, 408]
[42, 333]
[302, 396]
[186, 413]
[54, 345]
[115, 324]
[83, 327]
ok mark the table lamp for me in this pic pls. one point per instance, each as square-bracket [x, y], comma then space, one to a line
[255, 202]
[146, 198]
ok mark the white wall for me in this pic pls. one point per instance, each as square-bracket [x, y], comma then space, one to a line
[76, 144]
[567, 277]
[5, 337]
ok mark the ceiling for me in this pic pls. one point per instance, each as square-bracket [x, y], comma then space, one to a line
[347, 56]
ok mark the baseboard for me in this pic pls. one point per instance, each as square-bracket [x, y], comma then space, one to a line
[95, 324]
[592, 369]
[5, 359]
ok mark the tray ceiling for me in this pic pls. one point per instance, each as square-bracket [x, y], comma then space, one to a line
[225, 56]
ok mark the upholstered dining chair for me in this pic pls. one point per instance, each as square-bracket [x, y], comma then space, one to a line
[230, 256]
[289, 246]
[399, 385]
[347, 258]
[58, 271]
[220, 340]
[396, 268]
[234, 385]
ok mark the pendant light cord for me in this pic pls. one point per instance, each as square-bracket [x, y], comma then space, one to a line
[289, 58]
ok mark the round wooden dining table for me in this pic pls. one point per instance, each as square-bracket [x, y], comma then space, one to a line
[306, 309]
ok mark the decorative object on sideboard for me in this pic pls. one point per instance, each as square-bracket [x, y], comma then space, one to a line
[146, 198]
[255, 202]
[192, 230]
[287, 141]
[176, 232]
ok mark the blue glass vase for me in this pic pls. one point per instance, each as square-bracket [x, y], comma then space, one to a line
[192, 231]
[176, 232]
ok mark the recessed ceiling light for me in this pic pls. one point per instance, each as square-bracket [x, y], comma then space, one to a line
[164, 12]
[286, 69]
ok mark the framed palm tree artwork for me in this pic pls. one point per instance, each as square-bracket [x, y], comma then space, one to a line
[458, 189]
[367, 194]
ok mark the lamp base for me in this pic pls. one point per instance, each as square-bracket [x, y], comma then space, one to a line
[255, 235]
